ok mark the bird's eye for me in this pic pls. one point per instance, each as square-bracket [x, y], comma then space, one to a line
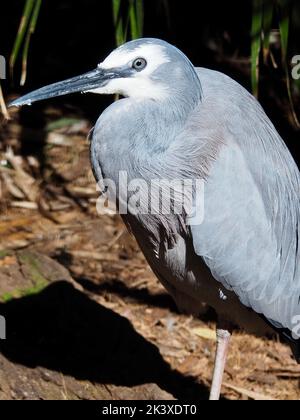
[139, 64]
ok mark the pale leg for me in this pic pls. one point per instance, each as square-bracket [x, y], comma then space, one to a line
[223, 340]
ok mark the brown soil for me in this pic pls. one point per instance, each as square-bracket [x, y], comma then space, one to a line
[86, 318]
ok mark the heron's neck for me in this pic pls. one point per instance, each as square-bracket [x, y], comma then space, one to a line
[161, 122]
[135, 133]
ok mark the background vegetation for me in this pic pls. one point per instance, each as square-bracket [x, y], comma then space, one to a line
[264, 31]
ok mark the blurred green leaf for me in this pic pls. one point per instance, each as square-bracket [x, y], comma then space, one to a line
[284, 27]
[118, 23]
[136, 18]
[262, 19]
[62, 123]
[130, 16]
[268, 13]
[21, 33]
[30, 32]
[140, 17]
[256, 43]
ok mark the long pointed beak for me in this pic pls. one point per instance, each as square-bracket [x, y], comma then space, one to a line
[84, 83]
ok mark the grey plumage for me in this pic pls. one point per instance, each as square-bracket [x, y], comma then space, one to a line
[249, 237]
[243, 260]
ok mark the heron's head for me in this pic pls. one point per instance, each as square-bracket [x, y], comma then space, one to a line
[144, 68]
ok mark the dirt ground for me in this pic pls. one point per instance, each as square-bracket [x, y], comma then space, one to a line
[86, 318]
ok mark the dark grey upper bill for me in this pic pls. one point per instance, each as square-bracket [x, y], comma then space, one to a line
[83, 83]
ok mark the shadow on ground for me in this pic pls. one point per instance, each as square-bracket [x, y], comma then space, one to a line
[143, 296]
[63, 330]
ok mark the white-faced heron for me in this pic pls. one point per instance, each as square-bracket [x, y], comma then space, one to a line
[178, 122]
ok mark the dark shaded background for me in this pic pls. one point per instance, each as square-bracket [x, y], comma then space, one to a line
[73, 36]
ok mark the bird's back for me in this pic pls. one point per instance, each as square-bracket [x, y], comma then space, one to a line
[250, 235]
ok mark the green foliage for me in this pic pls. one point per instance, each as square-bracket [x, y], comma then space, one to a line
[120, 31]
[26, 29]
[62, 123]
[136, 18]
[256, 35]
[128, 21]
[262, 20]
[30, 32]
[128, 16]
[284, 27]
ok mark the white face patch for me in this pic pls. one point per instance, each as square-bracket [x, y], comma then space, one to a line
[140, 84]
[134, 87]
[153, 54]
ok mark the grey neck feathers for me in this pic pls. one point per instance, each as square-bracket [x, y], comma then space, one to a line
[163, 121]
